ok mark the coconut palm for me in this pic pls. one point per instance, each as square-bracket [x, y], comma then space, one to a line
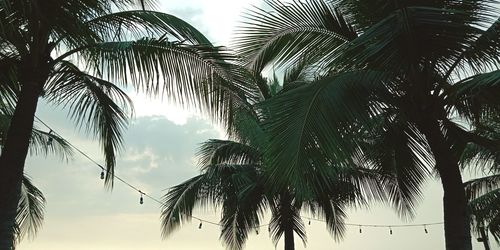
[82, 56]
[483, 193]
[235, 181]
[234, 178]
[403, 78]
[484, 198]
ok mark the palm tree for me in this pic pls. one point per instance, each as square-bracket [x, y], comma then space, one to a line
[81, 55]
[403, 78]
[483, 193]
[234, 178]
[235, 181]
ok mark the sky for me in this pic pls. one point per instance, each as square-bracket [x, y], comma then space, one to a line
[160, 143]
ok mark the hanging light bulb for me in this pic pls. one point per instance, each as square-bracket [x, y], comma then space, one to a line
[309, 222]
[360, 230]
[141, 200]
[257, 230]
[390, 230]
[269, 228]
[425, 229]
[201, 224]
[102, 175]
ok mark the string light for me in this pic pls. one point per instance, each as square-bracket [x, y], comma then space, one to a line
[143, 194]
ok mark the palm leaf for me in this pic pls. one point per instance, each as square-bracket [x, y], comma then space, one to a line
[92, 101]
[120, 26]
[410, 35]
[481, 55]
[316, 117]
[475, 97]
[290, 31]
[242, 208]
[399, 151]
[179, 203]
[193, 76]
[41, 142]
[30, 211]
[226, 152]
[477, 187]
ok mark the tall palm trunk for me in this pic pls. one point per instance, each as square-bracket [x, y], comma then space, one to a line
[14, 153]
[456, 217]
[289, 242]
[287, 210]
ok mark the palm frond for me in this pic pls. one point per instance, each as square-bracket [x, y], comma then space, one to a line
[241, 213]
[8, 79]
[123, 25]
[475, 188]
[289, 31]
[230, 186]
[179, 203]
[475, 97]
[247, 128]
[94, 104]
[215, 151]
[481, 55]
[317, 117]
[485, 209]
[44, 143]
[410, 35]
[193, 76]
[400, 152]
[30, 211]
[41, 142]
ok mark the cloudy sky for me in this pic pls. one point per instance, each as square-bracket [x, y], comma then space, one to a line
[159, 152]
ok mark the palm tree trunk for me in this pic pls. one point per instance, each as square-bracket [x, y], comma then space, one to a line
[456, 217]
[289, 242]
[287, 212]
[13, 158]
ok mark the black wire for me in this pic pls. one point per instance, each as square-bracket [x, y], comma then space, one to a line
[211, 222]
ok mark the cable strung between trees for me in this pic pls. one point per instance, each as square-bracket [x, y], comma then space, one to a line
[144, 194]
